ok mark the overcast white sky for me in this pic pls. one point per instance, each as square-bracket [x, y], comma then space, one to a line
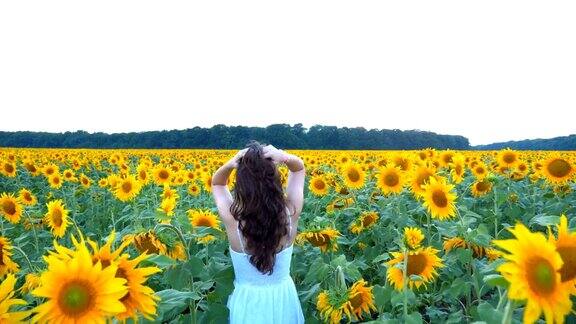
[488, 70]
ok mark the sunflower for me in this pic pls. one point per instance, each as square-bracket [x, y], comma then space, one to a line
[169, 193]
[481, 187]
[69, 175]
[413, 236]
[339, 203]
[176, 251]
[50, 169]
[11, 208]
[458, 168]
[477, 250]
[366, 220]
[566, 247]
[439, 199]
[333, 305]
[26, 197]
[8, 169]
[6, 263]
[207, 182]
[55, 181]
[325, 239]
[78, 290]
[167, 206]
[557, 170]
[507, 158]
[421, 176]
[127, 188]
[361, 298]
[422, 262]
[105, 254]
[140, 298]
[204, 218]
[162, 175]
[390, 180]
[7, 300]
[318, 185]
[142, 174]
[146, 242]
[533, 269]
[353, 176]
[57, 217]
[103, 183]
[206, 239]
[31, 282]
[193, 189]
[85, 181]
[446, 157]
[480, 171]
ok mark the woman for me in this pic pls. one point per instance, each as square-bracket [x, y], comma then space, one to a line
[261, 223]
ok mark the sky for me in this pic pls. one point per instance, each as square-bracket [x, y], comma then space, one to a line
[489, 70]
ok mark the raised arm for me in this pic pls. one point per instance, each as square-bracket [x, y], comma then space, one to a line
[222, 196]
[296, 176]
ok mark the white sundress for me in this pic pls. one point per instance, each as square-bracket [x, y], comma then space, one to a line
[261, 298]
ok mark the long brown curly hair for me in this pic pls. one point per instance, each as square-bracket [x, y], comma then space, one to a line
[259, 206]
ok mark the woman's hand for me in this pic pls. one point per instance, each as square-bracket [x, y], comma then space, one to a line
[233, 162]
[275, 154]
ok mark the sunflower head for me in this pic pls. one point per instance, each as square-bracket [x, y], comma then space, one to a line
[533, 269]
[439, 199]
[413, 237]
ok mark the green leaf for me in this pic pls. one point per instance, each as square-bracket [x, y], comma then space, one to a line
[161, 261]
[545, 220]
[173, 302]
[487, 313]
[496, 280]
[381, 257]
[414, 318]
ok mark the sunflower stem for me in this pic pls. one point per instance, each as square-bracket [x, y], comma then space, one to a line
[178, 233]
[404, 282]
[33, 232]
[508, 311]
[32, 268]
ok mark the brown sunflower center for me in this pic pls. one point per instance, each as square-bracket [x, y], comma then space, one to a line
[319, 184]
[391, 179]
[127, 187]
[319, 239]
[163, 174]
[9, 207]
[439, 198]
[76, 298]
[27, 196]
[56, 180]
[356, 300]
[203, 221]
[353, 175]
[143, 174]
[145, 243]
[57, 217]
[559, 168]
[568, 270]
[416, 264]
[9, 168]
[368, 220]
[482, 186]
[509, 157]
[480, 170]
[541, 276]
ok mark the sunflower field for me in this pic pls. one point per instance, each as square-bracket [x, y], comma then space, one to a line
[429, 236]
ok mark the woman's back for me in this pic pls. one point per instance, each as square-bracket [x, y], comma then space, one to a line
[254, 291]
[264, 291]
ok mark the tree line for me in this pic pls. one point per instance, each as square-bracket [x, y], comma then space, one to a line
[234, 137]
